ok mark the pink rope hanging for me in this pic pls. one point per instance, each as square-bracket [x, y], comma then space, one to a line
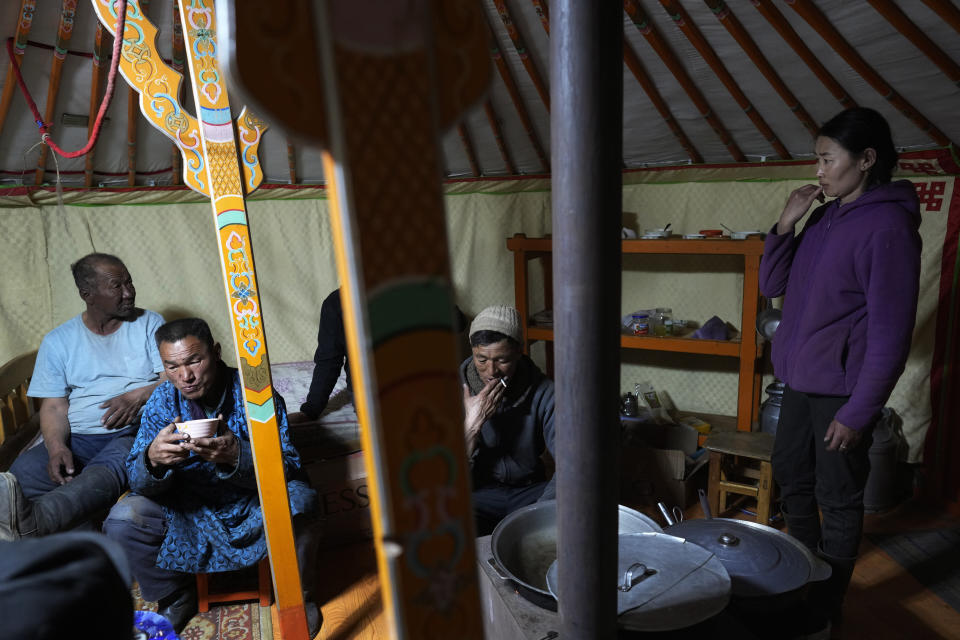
[104, 105]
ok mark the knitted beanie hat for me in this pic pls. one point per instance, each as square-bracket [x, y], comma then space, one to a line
[503, 319]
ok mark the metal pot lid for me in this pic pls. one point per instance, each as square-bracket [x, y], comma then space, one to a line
[524, 544]
[664, 582]
[761, 560]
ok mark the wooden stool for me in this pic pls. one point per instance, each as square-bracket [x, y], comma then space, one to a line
[740, 464]
[264, 591]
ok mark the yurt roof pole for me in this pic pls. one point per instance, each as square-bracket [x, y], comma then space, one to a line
[633, 63]
[518, 104]
[96, 78]
[525, 58]
[498, 138]
[177, 62]
[660, 45]
[786, 31]
[683, 22]
[914, 34]
[67, 11]
[815, 18]
[291, 162]
[947, 12]
[543, 12]
[468, 148]
[19, 46]
[729, 20]
[586, 62]
[133, 114]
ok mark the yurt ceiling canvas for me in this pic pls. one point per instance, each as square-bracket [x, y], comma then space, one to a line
[703, 81]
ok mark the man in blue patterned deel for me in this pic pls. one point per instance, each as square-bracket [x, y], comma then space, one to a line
[194, 506]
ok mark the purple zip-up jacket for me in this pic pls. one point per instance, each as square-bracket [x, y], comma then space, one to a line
[850, 279]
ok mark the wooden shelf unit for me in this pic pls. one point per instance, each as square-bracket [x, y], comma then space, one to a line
[746, 351]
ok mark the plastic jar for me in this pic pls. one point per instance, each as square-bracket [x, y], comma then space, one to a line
[659, 320]
[641, 324]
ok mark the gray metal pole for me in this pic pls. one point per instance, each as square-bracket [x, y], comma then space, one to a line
[586, 72]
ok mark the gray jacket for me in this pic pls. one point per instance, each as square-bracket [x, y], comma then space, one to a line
[513, 439]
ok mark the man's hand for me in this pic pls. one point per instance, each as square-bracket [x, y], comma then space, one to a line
[124, 408]
[797, 205]
[55, 428]
[224, 448]
[841, 438]
[478, 409]
[60, 465]
[167, 449]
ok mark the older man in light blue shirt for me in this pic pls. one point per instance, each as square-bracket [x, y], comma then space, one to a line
[94, 372]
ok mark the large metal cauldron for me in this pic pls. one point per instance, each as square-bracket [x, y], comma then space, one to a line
[665, 583]
[524, 545]
[768, 568]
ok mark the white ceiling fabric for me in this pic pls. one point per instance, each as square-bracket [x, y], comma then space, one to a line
[646, 139]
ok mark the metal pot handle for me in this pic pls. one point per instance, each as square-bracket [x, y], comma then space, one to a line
[634, 574]
[497, 569]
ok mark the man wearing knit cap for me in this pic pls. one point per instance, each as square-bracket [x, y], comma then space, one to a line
[508, 406]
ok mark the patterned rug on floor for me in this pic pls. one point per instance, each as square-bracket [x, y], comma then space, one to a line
[931, 556]
[244, 621]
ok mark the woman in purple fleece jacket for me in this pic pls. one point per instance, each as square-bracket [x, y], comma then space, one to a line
[850, 281]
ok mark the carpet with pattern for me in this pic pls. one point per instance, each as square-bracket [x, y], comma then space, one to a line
[243, 621]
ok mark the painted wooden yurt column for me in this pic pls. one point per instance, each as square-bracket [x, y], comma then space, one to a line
[212, 166]
[374, 85]
[383, 168]
[226, 190]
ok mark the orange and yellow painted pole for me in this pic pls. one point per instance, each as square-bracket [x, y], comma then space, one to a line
[383, 80]
[216, 165]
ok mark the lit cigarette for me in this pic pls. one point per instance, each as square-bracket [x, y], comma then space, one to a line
[503, 381]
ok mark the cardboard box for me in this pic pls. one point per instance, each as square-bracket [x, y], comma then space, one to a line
[341, 484]
[655, 465]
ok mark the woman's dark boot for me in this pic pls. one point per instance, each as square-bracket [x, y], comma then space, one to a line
[828, 595]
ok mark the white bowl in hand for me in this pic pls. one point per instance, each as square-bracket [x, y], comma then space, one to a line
[205, 428]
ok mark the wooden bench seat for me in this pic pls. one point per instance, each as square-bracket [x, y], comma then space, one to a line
[19, 420]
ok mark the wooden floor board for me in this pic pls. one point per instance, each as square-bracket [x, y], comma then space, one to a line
[884, 600]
